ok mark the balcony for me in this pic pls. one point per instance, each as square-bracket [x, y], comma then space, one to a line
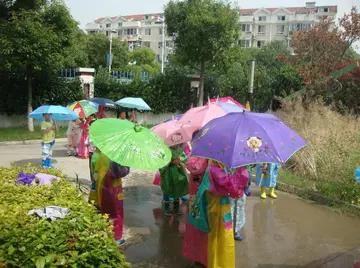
[131, 24]
[92, 26]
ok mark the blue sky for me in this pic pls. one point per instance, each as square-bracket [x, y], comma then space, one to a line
[86, 11]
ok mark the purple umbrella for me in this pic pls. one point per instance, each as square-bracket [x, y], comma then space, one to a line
[239, 139]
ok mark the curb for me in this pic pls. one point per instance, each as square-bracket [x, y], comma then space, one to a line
[27, 142]
[319, 198]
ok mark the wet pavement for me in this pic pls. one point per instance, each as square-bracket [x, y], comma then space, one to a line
[287, 232]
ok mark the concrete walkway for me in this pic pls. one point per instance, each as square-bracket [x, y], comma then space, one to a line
[287, 232]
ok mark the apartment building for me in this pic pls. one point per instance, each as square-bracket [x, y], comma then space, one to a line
[138, 30]
[264, 25]
[258, 26]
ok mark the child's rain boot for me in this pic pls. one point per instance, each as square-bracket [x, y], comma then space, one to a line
[247, 188]
[238, 237]
[48, 163]
[272, 193]
[167, 208]
[43, 163]
[177, 207]
[263, 192]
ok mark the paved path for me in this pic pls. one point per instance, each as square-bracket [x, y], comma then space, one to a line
[287, 232]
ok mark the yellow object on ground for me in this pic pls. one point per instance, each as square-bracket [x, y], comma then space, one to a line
[272, 193]
[263, 192]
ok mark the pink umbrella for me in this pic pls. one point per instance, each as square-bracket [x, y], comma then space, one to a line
[200, 116]
[173, 133]
[229, 100]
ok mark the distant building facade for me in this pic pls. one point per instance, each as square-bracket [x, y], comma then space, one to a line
[258, 26]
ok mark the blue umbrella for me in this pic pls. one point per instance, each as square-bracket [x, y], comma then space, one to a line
[134, 103]
[57, 112]
[174, 117]
[104, 102]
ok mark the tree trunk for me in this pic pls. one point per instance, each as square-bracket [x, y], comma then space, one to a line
[29, 104]
[201, 84]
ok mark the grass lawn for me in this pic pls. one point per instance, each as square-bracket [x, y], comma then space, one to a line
[22, 134]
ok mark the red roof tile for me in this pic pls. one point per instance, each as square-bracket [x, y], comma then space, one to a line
[291, 9]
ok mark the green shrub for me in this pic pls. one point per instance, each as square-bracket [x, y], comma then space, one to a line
[83, 239]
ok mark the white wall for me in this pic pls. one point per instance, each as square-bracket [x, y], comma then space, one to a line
[14, 121]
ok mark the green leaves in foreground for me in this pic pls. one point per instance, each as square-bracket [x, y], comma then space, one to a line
[83, 239]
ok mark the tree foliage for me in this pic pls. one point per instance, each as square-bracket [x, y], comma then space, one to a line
[98, 45]
[34, 39]
[204, 30]
[320, 49]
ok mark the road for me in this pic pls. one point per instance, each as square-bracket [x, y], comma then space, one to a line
[288, 232]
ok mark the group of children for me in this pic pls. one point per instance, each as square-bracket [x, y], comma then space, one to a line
[78, 137]
[216, 203]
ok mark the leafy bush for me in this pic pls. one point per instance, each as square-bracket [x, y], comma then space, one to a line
[82, 239]
[334, 140]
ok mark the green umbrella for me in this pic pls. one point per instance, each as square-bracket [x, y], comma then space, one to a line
[129, 144]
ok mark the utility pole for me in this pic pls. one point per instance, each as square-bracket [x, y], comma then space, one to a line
[251, 83]
[163, 48]
[110, 49]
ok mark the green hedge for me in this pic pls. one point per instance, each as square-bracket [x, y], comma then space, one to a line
[83, 239]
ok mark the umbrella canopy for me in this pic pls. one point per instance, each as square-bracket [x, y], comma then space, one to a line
[129, 144]
[239, 139]
[104, 102]
[229, 100]
[174, 117]
[200, 116]
[57, 112]
[134, 103]
[173, 133]
[83, 108]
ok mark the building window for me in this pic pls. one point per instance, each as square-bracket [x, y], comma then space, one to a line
[119, 33]
[246, 27]
[262, 18]
[299, 27]
[161, 31]
[108, 25]
[261, 29]
[120, 24]
[130, 31]
[280, 29]
[260, 44]
[245, 43]
[158, 58]
[282, 18]
[169, 44]
[147, 22]
[92, 32]
[148, 31]
[146, 44]
[323, 9]
[107, 33]
[160, 44]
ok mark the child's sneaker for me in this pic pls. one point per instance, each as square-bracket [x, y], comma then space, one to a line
[43, 164]
[121, 242]
[75, 154]
[69, 153]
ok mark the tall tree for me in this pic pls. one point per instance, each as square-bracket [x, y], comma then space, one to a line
[33, 40]
[204, 30]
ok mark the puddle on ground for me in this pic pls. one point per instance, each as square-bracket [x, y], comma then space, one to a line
[287, 232]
